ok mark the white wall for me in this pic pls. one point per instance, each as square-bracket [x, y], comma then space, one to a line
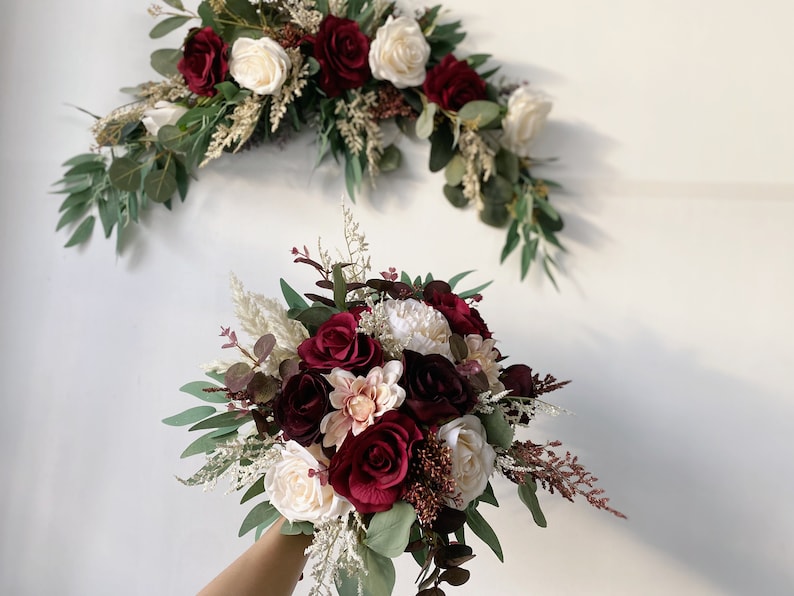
[673, 127]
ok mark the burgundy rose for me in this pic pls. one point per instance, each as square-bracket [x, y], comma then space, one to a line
[518, 379]
[343, 53]
[462, 318]
[301, 406]
[453, 83]
[434, 391]
[370, 468]
[337, 344]
[203, 63]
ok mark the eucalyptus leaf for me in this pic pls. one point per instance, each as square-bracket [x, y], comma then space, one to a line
[425, 122]
[484, 531]
[197, 389]
[527, 492]
[264, 345]
[455, 196]
[75, 199]
[82, 158]
[174, 138]
[497, 429]
[388, 531]
[507, 165]
[289, 528]
[82, 233]
[160, 184]
[164, 61]
[71, 214]
[455, 170]
[378, 581]
[125, 174]
[223, 420]
[257, 488]
[262, 513]
[314, 316]
[87, 167]
[511, 242]
[189, 416]
[390, 159]
[442, 148]
[479, 113]
[528, 255]
[204, 444]
[238, 376]
[165, 26]
[175, 3]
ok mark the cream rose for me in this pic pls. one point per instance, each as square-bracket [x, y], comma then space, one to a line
[260, 65]
[161, 114]
[297, 489]
[418, 326]
[526, 114]
[399, 53]
[472, 458]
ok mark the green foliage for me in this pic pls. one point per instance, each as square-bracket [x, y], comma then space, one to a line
[256, 489]
[527, 493]
[199, 389]
[483, 530]
[379, 581]
[498, 429]
[190, 416]
[289, 528]
[388, 531]
[138, 170]
[263, 514]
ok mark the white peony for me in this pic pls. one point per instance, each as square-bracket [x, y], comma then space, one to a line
[418, 326]
[526, 114]
[472, 458]
[161, 114]
[297, 489]
[260, 65]
[399, 53]
[359, 400]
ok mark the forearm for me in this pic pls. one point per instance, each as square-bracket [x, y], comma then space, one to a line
[272, 566]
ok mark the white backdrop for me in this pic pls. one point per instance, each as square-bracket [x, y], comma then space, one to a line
[673, 126]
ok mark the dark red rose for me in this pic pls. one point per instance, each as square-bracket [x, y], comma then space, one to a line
[337, 344]
[518, 379]
[203, 63]
[343, 53]
[462, 318]
[370, 468]
[453, 83]
[301, 406]
[434, 391]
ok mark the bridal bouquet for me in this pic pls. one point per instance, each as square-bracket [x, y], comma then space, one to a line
[374, 418]
[249, 72]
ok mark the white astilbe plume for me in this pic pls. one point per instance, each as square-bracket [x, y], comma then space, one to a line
[336, 547]
[225, 462]
[258, 316]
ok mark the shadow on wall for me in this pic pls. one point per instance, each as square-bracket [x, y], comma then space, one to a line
[695, 458]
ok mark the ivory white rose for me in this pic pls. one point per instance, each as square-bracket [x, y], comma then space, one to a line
[527, 111]
[418, 326]
[297, 489]
[260, 65]
[399, 53]
[161, 114]
[472, 458]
